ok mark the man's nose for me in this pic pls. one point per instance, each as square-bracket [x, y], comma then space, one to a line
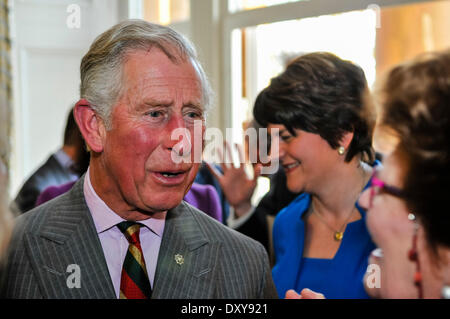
[177, 137]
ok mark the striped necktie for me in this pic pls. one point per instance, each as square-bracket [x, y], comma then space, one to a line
[134, 282]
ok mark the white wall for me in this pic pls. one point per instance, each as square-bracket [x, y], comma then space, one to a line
[46, 59]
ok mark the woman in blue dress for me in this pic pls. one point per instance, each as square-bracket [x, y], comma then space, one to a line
[318, 110]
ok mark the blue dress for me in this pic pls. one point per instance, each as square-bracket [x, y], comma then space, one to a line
[340, 277]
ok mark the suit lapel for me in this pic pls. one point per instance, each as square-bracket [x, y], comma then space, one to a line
[67, 254]
[186, 258]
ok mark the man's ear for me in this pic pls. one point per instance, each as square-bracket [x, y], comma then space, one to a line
[346, 139]
[91, 126]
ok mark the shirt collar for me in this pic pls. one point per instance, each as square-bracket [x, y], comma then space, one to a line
[105, 218]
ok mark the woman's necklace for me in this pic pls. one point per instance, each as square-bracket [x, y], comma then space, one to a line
[339, 233]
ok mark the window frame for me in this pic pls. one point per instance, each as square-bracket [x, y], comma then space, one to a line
[218, 47]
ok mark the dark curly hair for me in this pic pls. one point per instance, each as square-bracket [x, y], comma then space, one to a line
[322, 94]
[416, 108]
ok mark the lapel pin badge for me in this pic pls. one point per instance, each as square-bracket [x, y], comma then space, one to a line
[179, 259]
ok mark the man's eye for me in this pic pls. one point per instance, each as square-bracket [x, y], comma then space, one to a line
[155, 113]
[194, 115]
[285, 137]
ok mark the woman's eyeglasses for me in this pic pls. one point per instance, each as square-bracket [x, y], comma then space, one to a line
[377, 186]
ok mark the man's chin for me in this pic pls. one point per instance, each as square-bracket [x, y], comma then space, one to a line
[162, 205]
[154, 198]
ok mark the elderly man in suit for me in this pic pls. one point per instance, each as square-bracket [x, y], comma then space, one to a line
[123, 228]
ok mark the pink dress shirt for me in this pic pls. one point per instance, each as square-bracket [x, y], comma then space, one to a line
[114, 243]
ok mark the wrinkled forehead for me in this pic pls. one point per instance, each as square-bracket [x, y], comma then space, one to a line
[154, 63]
[153, 69]
[164, 89]
[151, 84]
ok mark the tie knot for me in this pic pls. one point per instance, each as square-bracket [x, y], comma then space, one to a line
[130, 230]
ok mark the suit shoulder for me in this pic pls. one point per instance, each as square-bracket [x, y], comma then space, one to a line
[38, 217]
[35, 218]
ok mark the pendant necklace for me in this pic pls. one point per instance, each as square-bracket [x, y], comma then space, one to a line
[339, 233]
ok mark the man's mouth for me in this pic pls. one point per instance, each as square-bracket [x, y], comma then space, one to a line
[170, 177]
[171, 174]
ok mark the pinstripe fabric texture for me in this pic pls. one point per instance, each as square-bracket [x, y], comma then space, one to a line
[199, 257]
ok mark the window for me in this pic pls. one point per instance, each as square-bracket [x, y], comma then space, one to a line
[375, 38]
[261, 52]
[166, 11]
[239, 5]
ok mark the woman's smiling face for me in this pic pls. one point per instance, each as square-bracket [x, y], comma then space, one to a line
[306, 157]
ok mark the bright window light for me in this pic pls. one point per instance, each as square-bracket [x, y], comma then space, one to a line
[238, 5]
[349, 35]
[164, 12]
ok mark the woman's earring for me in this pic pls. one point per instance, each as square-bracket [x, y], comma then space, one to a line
[414, 257]
[341, 150]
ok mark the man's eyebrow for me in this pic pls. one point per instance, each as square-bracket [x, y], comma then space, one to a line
[194, 105]
[156, 102]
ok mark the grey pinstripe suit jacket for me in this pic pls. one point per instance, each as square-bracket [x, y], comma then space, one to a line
[218, 262]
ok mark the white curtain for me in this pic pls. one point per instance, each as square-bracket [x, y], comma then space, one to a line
[5, 123]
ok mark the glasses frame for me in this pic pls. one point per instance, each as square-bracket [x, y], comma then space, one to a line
[400, 193]
[382, 187]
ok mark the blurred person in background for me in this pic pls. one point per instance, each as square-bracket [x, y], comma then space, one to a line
[408, 196]
[65, 165]
[408, 202]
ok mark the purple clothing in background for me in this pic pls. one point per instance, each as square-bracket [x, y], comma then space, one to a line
[52, 192]
[203, 197]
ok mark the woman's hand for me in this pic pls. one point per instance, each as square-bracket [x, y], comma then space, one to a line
[236, 185]
[304, 294]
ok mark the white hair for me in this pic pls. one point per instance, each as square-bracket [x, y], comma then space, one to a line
[101, 67]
